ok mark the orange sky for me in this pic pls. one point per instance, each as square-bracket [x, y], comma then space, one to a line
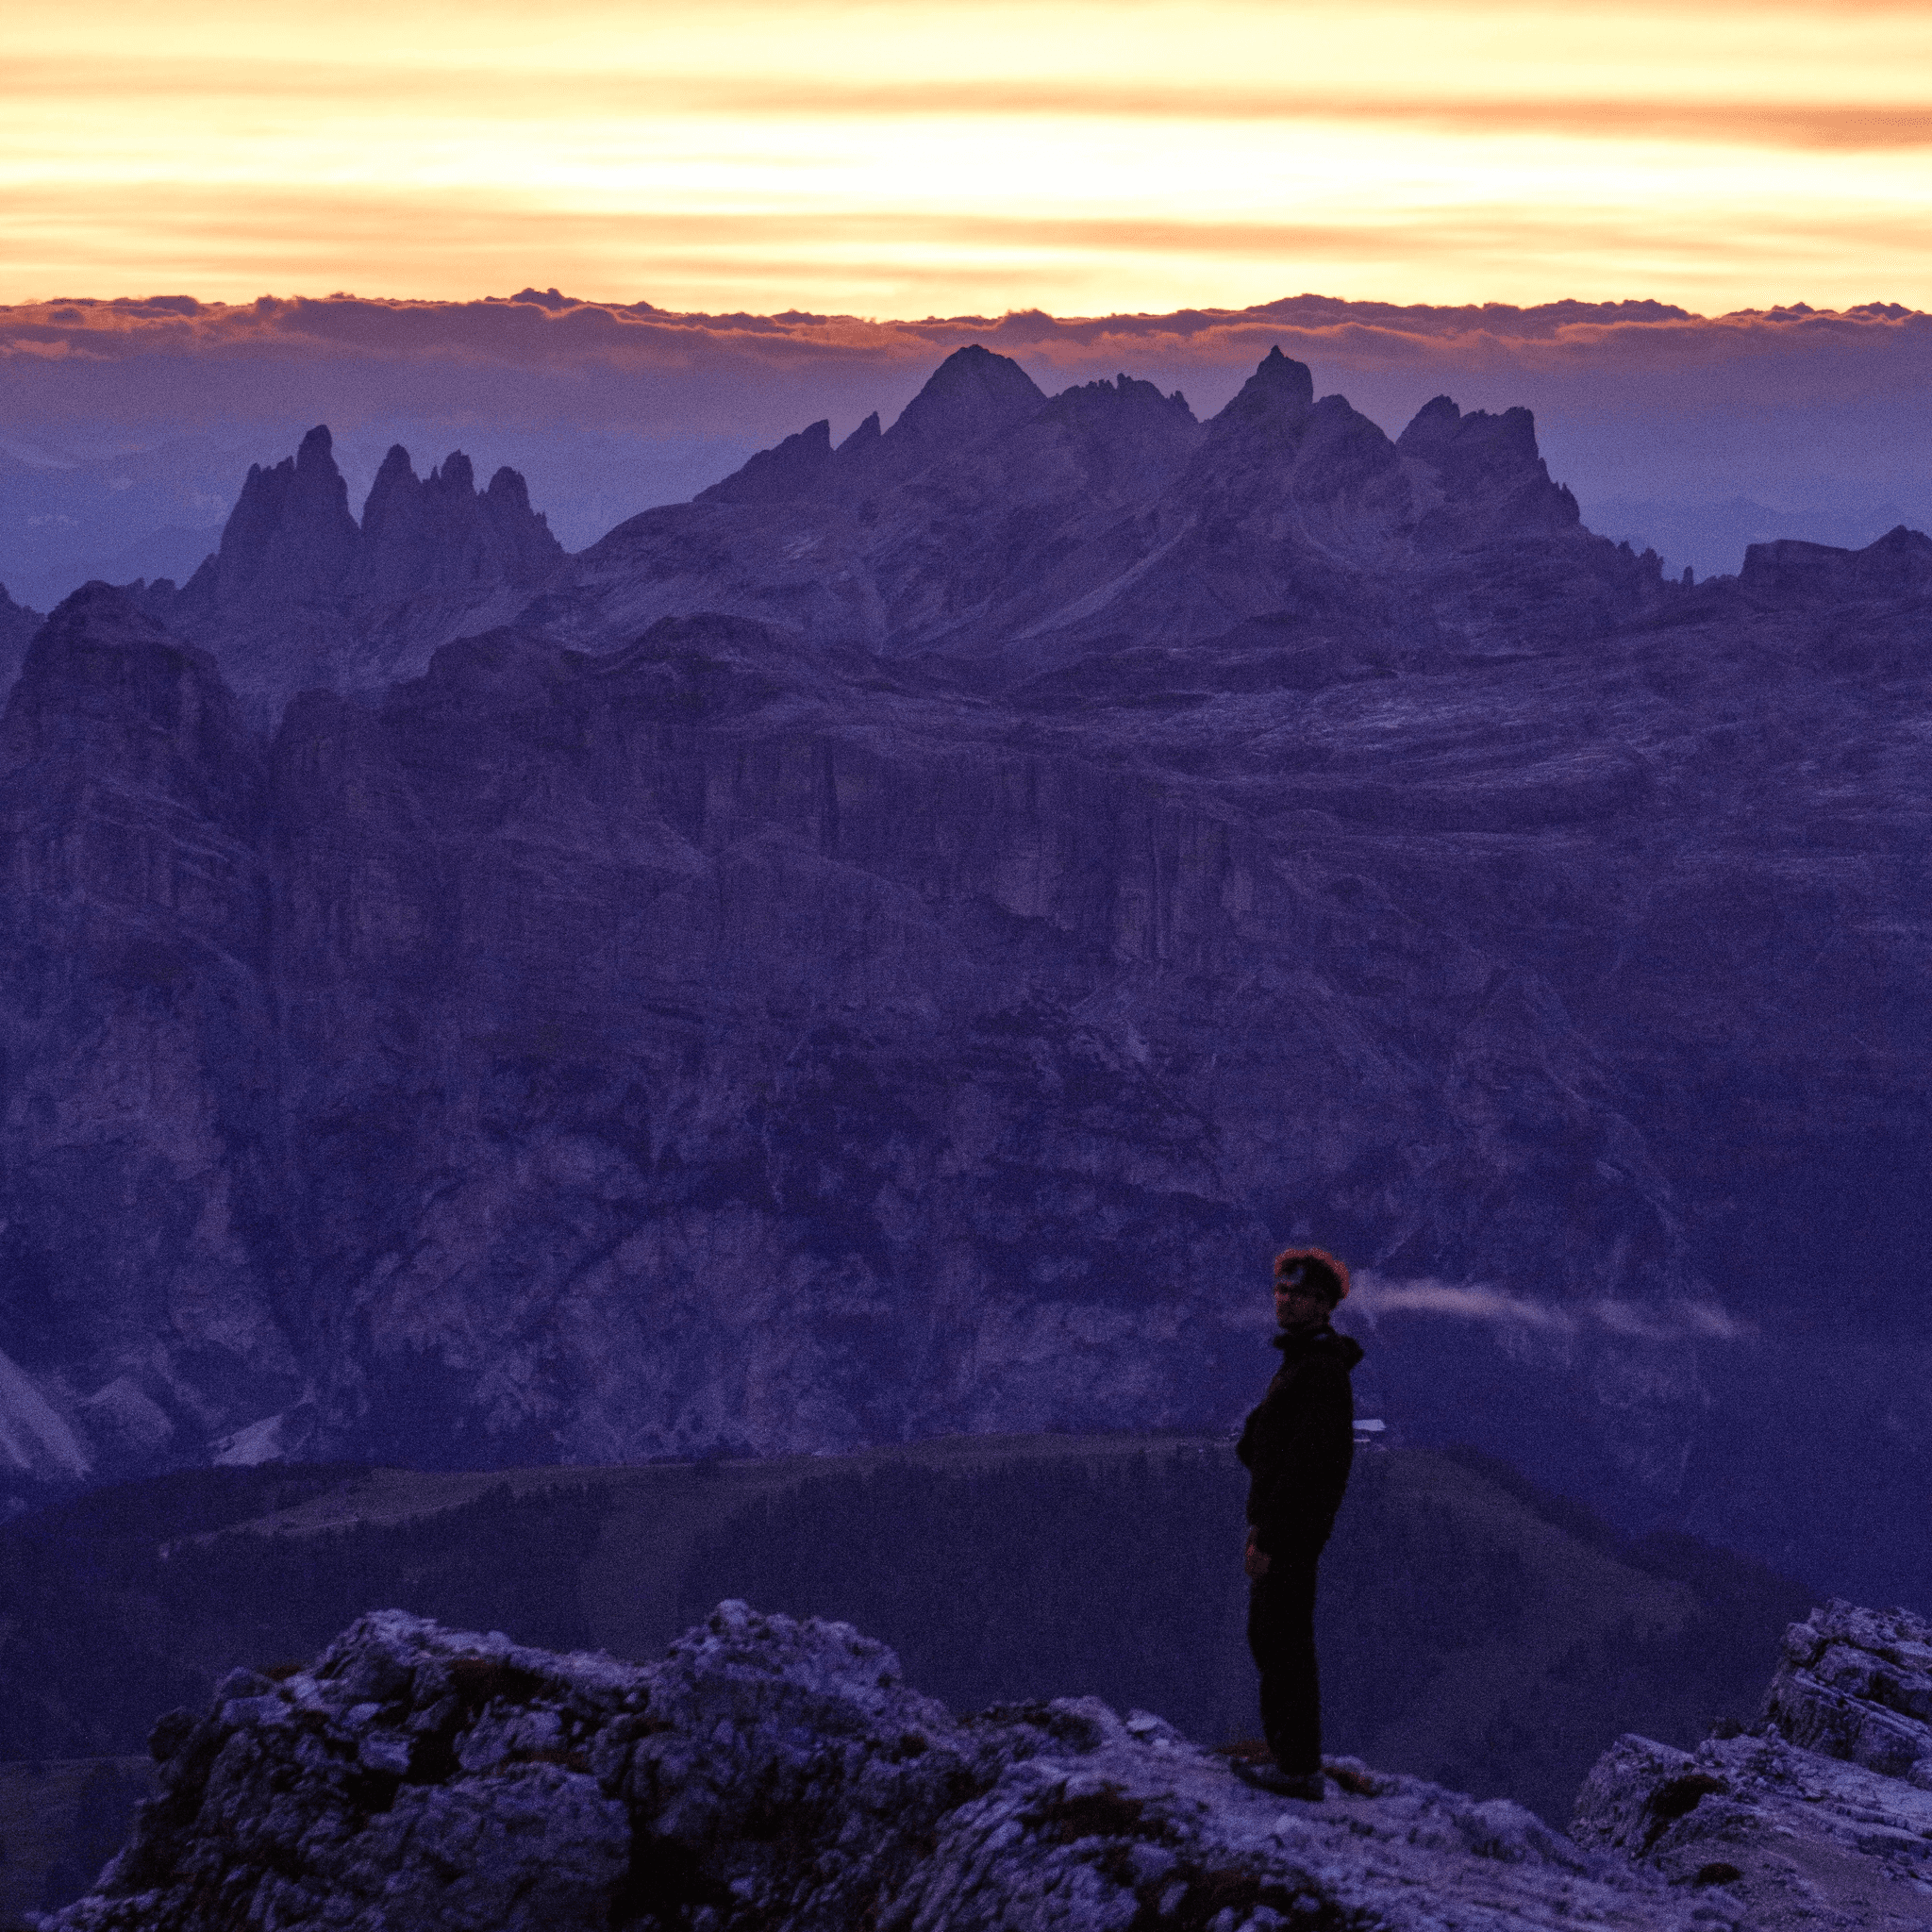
[913, 160]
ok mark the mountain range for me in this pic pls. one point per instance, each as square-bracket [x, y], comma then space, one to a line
[888, 949]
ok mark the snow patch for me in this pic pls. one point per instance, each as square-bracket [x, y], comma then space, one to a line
[257, 1443]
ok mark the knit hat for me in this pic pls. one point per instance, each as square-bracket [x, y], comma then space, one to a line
[1315, 1268]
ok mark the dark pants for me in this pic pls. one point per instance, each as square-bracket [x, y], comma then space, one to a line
[1281, 1634]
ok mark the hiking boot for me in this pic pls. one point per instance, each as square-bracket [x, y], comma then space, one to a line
[1309, 1787]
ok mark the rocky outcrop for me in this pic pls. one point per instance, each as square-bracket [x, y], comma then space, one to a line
[290, 539]
[1857, 1685]
[1822, 1814]
[300, 593]
[782, 1777]
[1495, 486]
[441, 533]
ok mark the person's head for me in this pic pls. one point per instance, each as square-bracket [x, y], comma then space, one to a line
[1309, 1283]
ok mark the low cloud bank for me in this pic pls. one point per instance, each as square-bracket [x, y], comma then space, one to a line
[1643, 409]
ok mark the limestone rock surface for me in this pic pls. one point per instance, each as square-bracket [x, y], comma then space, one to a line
[773, 1775]
[1820, 1816]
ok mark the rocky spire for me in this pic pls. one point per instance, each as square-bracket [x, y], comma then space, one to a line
[1495, 482]
[290, 539]
[438, 533]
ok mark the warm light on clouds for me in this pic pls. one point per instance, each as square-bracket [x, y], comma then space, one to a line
[960, 159]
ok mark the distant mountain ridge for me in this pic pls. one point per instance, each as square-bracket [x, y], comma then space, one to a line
[995, 527]
[883, 950]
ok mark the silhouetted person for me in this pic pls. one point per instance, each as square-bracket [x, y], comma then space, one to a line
[1298, 1445]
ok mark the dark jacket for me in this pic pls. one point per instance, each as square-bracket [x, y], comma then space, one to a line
[1299, 1443]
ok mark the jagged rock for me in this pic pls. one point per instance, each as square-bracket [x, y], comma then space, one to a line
[799, 466]
[290, 539]
[1856, 1684]
[779, 1777]
[441, 533]
[1495, 482]
[300, 594]
[1820, 1815]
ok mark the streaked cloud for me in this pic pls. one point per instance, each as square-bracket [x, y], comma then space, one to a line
[1375, 1298]
[888, 159]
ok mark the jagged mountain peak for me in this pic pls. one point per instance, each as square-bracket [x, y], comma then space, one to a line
[507, 488]
[300, 593]
[971, 395]
[317, 449]
[796, 467]
[1495, 482]
[454, 475]
[862, 438]
[1318, 470]
[1440, 426]
[974, 394]
[290, 535]
[1119, 396]
[1280, 387]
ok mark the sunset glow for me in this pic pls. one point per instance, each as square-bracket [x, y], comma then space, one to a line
[913, 159]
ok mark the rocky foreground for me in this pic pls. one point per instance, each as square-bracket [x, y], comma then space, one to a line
[1820, 1815]
[774, 1773]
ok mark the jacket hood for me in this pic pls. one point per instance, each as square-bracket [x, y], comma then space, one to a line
[1345, 1349]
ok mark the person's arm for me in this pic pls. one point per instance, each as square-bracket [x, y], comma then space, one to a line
[1302, 1456]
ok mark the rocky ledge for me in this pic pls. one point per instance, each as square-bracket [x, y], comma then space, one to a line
[778, 1774]
[781, 1775]
[1822, 1815]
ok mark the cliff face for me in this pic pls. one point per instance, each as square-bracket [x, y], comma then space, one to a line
[144, 1147]
[891, 949]
[17, 626]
